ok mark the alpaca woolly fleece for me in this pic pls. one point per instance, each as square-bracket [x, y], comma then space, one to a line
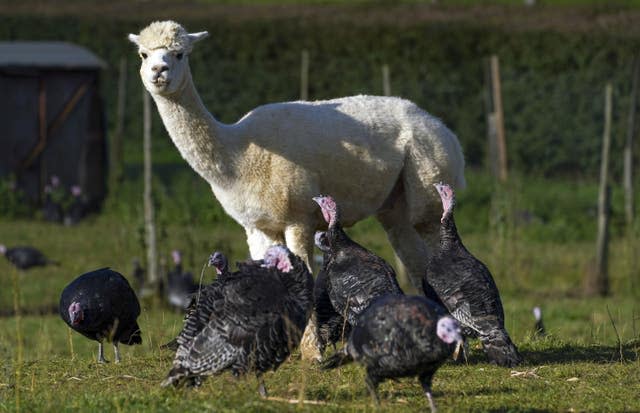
[165, 34]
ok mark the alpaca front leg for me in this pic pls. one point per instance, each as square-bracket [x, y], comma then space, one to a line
[258, 242]
[299, 240]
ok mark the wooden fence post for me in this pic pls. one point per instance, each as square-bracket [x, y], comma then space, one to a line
[628, 147]
[149, 210]
[117, 151]
[629, 202]
[501, 144]
[304, 75]
[386, 82]
[597, 282]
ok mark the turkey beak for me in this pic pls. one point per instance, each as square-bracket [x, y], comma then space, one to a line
[456, 352]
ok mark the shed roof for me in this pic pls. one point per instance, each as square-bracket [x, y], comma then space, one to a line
[58, 55]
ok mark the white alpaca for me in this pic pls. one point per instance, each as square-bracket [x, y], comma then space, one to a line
[375, 155]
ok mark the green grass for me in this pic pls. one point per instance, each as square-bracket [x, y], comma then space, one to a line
[583, 365]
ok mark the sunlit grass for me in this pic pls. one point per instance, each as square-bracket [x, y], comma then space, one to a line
[584, 364]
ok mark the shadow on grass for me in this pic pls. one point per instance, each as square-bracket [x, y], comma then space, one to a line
[567, 353]
[627, 353]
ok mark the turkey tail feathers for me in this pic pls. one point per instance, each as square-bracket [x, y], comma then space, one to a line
[501, 350]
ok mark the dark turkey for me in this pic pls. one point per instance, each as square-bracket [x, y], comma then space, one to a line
[25, 257]
[355, 275]
[219, 262]
[248, 321]
[400, 336]
[331, 326]
[538, 329]
[102, 306]
[467, 289]
[180, 284]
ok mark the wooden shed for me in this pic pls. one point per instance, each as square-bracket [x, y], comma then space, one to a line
[53, 118]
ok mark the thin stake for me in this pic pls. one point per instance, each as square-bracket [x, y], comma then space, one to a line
[149, 210]
[499, 118]
[16, 308]
[304, 75]
[386, 82]
[615, 329]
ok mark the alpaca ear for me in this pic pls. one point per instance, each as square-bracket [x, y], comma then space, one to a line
[133, 38]
[194, 37]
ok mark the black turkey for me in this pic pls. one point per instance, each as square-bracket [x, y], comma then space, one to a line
[26, 257]
[467, 289]
[219, 262]
[331, 326]
[102, 306]
[538, 329]
[400, 336]
[180, 284]
[248, 321]
[355, 275]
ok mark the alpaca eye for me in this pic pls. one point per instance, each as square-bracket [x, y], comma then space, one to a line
[179, 56]
[143, 55]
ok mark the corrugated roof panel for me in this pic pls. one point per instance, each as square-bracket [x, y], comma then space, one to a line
[58, 55]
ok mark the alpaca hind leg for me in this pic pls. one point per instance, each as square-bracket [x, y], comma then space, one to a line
[409, 247]
[299, 239]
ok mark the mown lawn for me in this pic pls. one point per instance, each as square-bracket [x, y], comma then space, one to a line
[580, 366]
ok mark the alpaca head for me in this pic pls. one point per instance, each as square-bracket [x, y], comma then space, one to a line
[164, 48]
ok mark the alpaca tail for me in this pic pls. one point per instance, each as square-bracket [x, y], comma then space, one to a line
[500, 349]
[338, 359]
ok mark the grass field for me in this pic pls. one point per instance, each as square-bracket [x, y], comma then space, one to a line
[588, 362]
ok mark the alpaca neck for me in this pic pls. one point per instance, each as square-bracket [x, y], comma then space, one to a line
[199, 137]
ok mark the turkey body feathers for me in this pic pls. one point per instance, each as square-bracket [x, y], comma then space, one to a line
[249, 320]
[356, 276]
[27, 257]
[467, 289]
[331, 326]
[110, 307]
[399, 336]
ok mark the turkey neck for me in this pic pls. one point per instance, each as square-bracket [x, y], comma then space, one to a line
[449, 238]
[337, 236]
[199, 137]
